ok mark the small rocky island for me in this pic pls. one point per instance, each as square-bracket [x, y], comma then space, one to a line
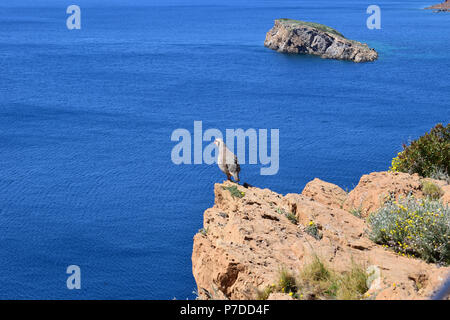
[445, 6]
[293, 36]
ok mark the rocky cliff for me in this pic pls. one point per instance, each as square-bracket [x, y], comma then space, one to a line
[249, 236]
[292, 36]
[445, 6]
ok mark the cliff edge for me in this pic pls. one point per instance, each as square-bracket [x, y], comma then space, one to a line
[250, 234]
[292, 36]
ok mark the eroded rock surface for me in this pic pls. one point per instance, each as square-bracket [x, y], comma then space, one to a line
[246, 241]
[325, 193]
[373, 190]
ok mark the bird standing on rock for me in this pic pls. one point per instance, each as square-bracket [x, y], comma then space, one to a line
[227, 161]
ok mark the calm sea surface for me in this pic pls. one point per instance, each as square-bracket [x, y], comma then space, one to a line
[86, 117]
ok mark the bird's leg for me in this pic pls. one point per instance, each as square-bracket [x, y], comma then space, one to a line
[229, 177]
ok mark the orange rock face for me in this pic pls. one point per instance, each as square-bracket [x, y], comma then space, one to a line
[247, 240]
[373, 190]
[325, 193]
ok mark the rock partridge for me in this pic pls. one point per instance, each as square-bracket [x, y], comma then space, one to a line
[227, 161]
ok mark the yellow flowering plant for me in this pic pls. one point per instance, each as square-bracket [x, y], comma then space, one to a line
[413, 227]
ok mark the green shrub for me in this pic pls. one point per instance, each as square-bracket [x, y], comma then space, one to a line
[353, 284]
[313, 230]
[264, 294]
[431, 190]
[286, 284]
[440, 174]
[356, 212]
[235, 193]
[428, 155]
[289, 215]
[316, 271]
[417, 228]
[317, 281]
[292, 217]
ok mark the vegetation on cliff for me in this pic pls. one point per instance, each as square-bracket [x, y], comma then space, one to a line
[260, 245]
[431, 190]
[388, 238]
[317, 281]
[428, 156]
[318, 26]
[414, 227]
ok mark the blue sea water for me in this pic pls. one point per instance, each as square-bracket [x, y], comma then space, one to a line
[86, 116]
